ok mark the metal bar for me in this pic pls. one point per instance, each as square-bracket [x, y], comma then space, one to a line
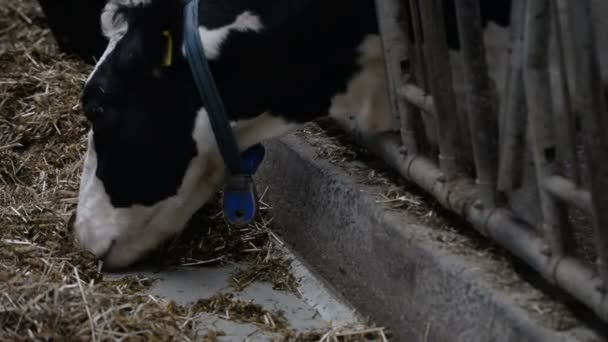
[509, 68]
[565, 126]
[481, 102]
[499, 225]
[591, 104]
[426, 128]
[420, 67]
[538, 99]
[440, 72]
[416, 96]
[568, 192]
[395, 47]
[513, 124]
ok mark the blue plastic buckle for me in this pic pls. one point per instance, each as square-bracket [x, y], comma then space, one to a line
[240, 196]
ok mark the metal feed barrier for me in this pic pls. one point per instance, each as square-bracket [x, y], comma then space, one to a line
[513, 163]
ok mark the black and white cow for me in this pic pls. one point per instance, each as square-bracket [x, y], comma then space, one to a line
[152, 159]
[75, 23]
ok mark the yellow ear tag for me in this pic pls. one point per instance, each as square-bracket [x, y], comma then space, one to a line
[168, 57]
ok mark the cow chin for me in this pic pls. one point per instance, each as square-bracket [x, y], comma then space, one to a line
[122, 236]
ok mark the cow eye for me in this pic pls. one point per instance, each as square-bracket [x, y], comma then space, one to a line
[97, 106]
[159, 72]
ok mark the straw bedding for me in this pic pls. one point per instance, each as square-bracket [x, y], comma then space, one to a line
[49, 288]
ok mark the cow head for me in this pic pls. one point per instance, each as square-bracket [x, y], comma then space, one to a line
[152, 160]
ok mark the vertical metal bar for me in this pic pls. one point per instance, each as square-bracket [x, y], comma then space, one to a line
[396, 50]
[591, 105]
[393, 43]
[420, 73]
[538, 99]
[507, 81]
[481, 102]
[426, 127]
[513, 122]
[565, 128]
[440, 74]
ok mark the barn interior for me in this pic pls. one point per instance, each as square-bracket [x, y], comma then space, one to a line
[299, 273]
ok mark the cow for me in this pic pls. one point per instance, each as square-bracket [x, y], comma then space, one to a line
[152, 159]
[76, 28]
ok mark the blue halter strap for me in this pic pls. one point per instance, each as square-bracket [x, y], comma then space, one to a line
[240, 198]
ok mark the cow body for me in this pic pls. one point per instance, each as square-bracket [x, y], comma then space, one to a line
[152, 159]
[76, 27]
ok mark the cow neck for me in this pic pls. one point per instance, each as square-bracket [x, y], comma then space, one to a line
[240, 198]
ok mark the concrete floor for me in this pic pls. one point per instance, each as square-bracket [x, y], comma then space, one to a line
[314, 308]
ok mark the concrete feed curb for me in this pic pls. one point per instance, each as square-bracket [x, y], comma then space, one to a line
[396, 270]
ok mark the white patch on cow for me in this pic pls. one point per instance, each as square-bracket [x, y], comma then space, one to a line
[112, 23]
[123, 235]
[114, 28]
[263, 127]
[213, 39]
[111, 46]
[366, 98]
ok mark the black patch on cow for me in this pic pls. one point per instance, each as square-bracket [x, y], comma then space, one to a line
[76, 26]
[142, 124]
[306, 54]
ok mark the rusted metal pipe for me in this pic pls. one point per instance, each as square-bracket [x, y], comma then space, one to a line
[513, 123]
[554, 227]
[565, 127]
[426, 128]
[568, 192]
[441, 85]
[481, 101]
[395, 46]
[591, 105]
[416, 96]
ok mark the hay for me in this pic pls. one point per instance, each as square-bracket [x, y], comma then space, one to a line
[335, 146]
[208, 239]
[277, 271]
[49, 288]
[229, 308]
[342, 335]
[74, 311]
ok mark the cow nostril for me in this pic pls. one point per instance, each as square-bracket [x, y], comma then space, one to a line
[94, 112]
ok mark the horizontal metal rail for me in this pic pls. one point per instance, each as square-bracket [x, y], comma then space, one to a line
[418, 97]
[568, 192]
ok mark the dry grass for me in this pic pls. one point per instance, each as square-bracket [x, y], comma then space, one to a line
[276, 271]
[49, 288]
[335, 146]
[247, 312]
[341, 335]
